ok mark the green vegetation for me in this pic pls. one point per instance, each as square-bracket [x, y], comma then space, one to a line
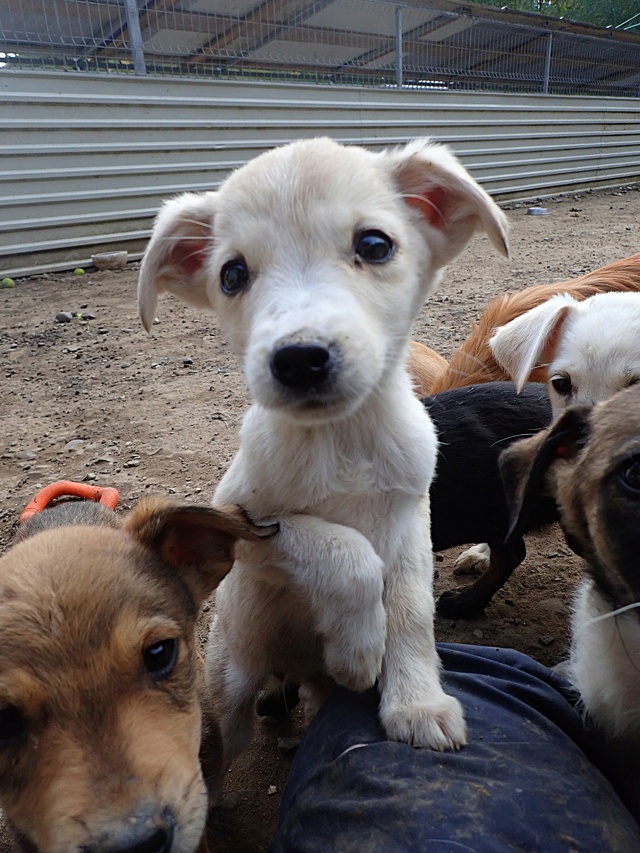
[602, 13]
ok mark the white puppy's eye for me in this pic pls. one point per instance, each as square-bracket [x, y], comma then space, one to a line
[234, 276]
[561, 384]
[373, 247]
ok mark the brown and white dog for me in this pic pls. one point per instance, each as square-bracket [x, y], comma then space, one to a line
[316, 258]
[106, 732]
[589, 460]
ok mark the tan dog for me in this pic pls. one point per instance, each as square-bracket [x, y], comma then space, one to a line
[474, 362]
[317, 257]
[589, 460]
[105, 733]
[425, 367]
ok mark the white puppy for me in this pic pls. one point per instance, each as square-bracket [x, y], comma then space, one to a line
[317, 258]
[591, 348]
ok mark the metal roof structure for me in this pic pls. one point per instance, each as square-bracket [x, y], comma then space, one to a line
[428, 44]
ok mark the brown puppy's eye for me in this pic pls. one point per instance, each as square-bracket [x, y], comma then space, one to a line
[234, 276]
[630, 476]
[562, 385]
[160, 659]
[374, 247]
[11, 726]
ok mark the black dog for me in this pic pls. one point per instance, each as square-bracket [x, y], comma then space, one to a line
[468, 504]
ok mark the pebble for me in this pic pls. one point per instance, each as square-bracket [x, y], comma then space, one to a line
[478, 633]
[271, 790]
[87, 316]
[74, 444]
[288, 744]
[64, 317]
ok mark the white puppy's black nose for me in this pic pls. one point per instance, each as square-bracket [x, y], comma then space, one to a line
[301, 367]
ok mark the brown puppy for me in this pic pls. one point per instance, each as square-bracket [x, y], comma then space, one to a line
[105, 734]
[589, 461]
[474, 362]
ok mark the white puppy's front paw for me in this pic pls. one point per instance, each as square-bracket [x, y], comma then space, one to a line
[473, 561]
[353, 657]
[438, 725]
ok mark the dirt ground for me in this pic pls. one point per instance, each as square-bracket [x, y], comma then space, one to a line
[99, 400]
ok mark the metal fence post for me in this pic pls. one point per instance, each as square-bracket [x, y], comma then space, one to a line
[135, 34]
[399, 47]
[547, 64]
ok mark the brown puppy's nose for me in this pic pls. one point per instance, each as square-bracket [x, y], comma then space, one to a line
[144, 833]
[301, 366]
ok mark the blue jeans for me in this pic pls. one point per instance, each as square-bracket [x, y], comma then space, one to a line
[532, 777]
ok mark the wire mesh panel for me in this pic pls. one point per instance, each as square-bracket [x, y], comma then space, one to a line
[364, 42]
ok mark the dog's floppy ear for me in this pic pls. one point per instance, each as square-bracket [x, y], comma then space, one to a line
[198, 541]
[175, 256]
[524, 465]
[532, 338]
[434, 182]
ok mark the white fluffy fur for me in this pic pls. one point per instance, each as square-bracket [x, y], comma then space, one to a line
[345, 588]
[605, 661]
[594, 343]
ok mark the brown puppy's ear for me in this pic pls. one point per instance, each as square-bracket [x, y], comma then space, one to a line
[525, 464]
[197, 540]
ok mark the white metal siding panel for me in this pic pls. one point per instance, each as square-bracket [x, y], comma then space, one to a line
[85, 160]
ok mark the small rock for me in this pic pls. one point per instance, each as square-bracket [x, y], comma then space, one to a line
[187, 362]
[271, 790]
[87, 316]
[546, 641]
[156, 322]
[288, 744]
[74, 444]
[478, 633]
[64, 317]
[132, 463]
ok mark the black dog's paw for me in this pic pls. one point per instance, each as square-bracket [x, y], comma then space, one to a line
[459, 604]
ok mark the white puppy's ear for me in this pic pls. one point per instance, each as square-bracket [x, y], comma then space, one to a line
[434, 182]
[532, 338]
[174, 259]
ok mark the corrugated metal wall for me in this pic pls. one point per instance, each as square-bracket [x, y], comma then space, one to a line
[87, 159]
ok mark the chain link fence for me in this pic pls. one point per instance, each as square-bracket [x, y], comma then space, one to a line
[358, 42]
